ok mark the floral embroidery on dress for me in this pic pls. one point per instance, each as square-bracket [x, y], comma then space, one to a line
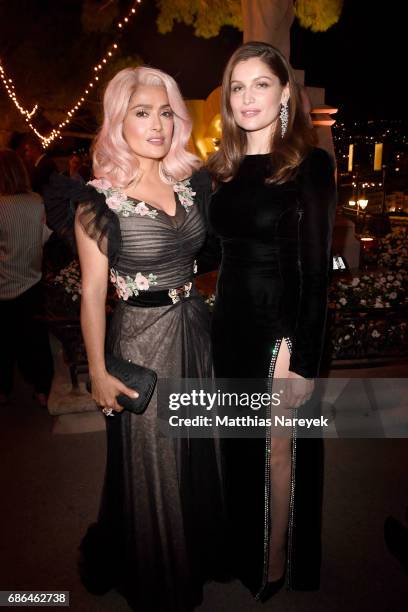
[119, 202]
[185, 193]
[128, 286]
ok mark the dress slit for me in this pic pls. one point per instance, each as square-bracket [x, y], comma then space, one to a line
[267, 493]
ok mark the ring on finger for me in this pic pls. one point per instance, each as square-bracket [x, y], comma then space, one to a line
[107, 411]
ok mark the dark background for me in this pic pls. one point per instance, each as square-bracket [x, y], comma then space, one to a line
[360, 61]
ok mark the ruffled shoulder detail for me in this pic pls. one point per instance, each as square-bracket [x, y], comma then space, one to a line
[63, 195]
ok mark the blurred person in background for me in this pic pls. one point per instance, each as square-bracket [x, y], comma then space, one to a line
[78, 169]
[24, 338]
[41, 165]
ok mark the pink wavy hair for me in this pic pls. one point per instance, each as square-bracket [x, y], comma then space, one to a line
[112, 157]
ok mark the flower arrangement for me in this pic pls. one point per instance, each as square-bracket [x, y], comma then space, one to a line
[70, 280]
[388, 289]
[362, 305]
[394, 249]
[63, 293]
[362, 338]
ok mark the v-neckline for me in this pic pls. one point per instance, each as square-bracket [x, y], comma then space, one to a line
[176, 199]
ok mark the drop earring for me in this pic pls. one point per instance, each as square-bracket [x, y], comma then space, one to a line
[284, 116]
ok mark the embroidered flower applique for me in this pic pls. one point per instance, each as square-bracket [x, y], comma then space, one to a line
[185, 193]
[119, 202]
[128, 286]
[142, 210]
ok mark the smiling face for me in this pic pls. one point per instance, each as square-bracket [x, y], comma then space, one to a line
[256, 95]
[148, 124]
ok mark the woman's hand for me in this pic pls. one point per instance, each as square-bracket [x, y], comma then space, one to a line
[298, 390]
[106, 388]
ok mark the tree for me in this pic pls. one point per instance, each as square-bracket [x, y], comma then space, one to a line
[49, 49]
[208, 16]
[318, 15]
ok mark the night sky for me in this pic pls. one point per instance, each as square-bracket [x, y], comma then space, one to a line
[360, 60]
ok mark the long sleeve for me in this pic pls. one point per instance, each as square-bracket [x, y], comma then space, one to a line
[209, 257]
[317, 212]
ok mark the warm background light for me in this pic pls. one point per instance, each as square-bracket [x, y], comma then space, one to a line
[100, 65]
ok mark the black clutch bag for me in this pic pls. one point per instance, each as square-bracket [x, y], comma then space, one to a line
[141, 379]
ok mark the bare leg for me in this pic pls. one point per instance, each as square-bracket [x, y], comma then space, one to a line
[280, 484]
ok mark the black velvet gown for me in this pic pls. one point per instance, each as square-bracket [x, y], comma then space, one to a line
[272, 284]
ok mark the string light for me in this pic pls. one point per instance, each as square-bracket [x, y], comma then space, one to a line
[56, 132]
[9, 87]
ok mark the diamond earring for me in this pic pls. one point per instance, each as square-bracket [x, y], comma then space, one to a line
[284, 116]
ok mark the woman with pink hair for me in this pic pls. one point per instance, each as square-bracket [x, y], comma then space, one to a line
[139, 225]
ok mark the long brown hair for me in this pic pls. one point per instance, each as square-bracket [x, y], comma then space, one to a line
[286, 153]
[13, 174]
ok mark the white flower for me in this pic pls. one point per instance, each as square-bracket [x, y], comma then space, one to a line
[375, 334]
[101, 184]
[363, 302]
[355, 282]
[141, 282]
[343, 301]
[141, 209]
[152, 278]
[392, 295]
[116, 200]
[185, 193]
[127, 286]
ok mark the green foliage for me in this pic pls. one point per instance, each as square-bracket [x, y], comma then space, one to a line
[206, 16]
[318, 15]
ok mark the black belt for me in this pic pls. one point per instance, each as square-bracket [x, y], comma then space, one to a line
[166, 297]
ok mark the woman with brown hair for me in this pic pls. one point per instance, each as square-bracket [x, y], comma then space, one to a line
[23, 337]
[273, 212]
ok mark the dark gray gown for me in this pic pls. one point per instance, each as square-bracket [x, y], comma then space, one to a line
[159, 531]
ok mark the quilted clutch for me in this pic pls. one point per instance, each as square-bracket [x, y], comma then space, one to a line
[141, 379]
